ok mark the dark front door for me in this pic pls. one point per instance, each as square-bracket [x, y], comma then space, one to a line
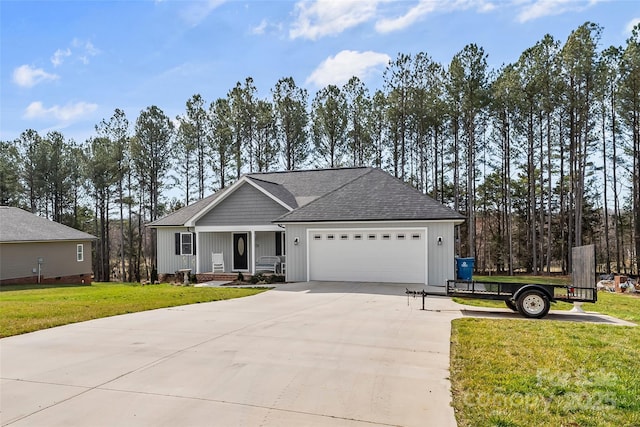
[240, 251]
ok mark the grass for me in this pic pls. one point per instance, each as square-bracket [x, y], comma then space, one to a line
[524, 373]
[547, 373]
[25, 310]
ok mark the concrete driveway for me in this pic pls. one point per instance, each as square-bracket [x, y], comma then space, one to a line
[312, 354]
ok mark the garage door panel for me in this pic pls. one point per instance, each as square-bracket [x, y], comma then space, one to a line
[368, 255]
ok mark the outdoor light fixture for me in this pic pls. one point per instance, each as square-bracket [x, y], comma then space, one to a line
[439, 240]
[296, 241]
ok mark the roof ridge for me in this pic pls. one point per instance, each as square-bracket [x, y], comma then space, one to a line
[263, 180]
[252, 174]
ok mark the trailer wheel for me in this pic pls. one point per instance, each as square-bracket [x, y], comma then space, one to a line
[511, 304]
[533, 304]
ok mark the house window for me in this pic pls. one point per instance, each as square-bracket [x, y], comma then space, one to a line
[371, 237]
[400, 236]
[344, 237]
[386, 237]
[415, 236]
[186, 244]
[317, 237]
[330, 236]
[79, 252]
[357, 237]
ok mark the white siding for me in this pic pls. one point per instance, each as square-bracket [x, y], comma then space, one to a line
[168, 261]
[207, 243]
[265, 243]
[210, 243]
[296, 254]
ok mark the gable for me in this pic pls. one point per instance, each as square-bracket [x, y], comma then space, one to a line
[245, 206]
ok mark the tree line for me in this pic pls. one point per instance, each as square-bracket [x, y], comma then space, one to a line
[540, 155]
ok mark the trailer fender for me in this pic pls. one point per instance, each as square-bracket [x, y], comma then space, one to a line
[540, 288]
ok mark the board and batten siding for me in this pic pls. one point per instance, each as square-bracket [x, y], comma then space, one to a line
[168, 261]
[59, 259]
[207, 244]
[246, 205]
[265, 243]
[210, 243]
[440, 257]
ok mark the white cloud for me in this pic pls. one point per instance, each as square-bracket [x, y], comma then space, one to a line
[27, 76]
[339, 69]
[631, 25]
[538, 8]
[68, 112]
[260, 28]
[58, 57]
[197, 11]
[425, 7]
[86, 48]
[321, 18]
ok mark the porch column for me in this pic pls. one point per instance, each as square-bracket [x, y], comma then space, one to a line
[197, 253]
[253, 251]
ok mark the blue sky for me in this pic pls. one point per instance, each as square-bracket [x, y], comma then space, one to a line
[66, 65]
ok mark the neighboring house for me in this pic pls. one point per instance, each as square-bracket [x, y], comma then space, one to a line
[36, 250]
[350, 224]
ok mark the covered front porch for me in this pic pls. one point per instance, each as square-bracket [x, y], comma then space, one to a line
[238, 248]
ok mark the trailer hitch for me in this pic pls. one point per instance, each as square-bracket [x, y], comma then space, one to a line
[423, 293]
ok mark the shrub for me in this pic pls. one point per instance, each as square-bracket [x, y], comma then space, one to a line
[258, 277]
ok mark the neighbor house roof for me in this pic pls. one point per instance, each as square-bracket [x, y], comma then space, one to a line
[372, 196]
[345, 194]
[17, 225]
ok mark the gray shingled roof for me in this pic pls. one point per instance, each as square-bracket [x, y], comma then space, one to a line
[277, 191]
[17, 225]
[346, 194]
[181, 216]
[308, 185]
[373, 196]
[294, 188]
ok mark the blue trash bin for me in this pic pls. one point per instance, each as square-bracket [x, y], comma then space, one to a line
[464, 268]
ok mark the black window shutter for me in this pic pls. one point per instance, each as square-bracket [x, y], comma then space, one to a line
[193, 242]
[177, 238]
[278, 243]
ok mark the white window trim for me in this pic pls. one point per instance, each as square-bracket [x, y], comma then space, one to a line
[190, 244]
[80, 252]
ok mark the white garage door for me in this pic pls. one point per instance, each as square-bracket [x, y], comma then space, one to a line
[374, 255]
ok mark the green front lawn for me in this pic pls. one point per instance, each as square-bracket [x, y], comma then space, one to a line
[30, 309]
[513, 372]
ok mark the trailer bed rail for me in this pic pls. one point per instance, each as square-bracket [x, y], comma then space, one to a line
[504, 291]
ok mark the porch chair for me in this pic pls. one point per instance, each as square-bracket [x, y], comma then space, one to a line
[218, 262]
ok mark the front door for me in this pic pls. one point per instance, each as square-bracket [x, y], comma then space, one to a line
[240, 252]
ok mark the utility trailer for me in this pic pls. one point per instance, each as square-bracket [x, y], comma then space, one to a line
[533, 300]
